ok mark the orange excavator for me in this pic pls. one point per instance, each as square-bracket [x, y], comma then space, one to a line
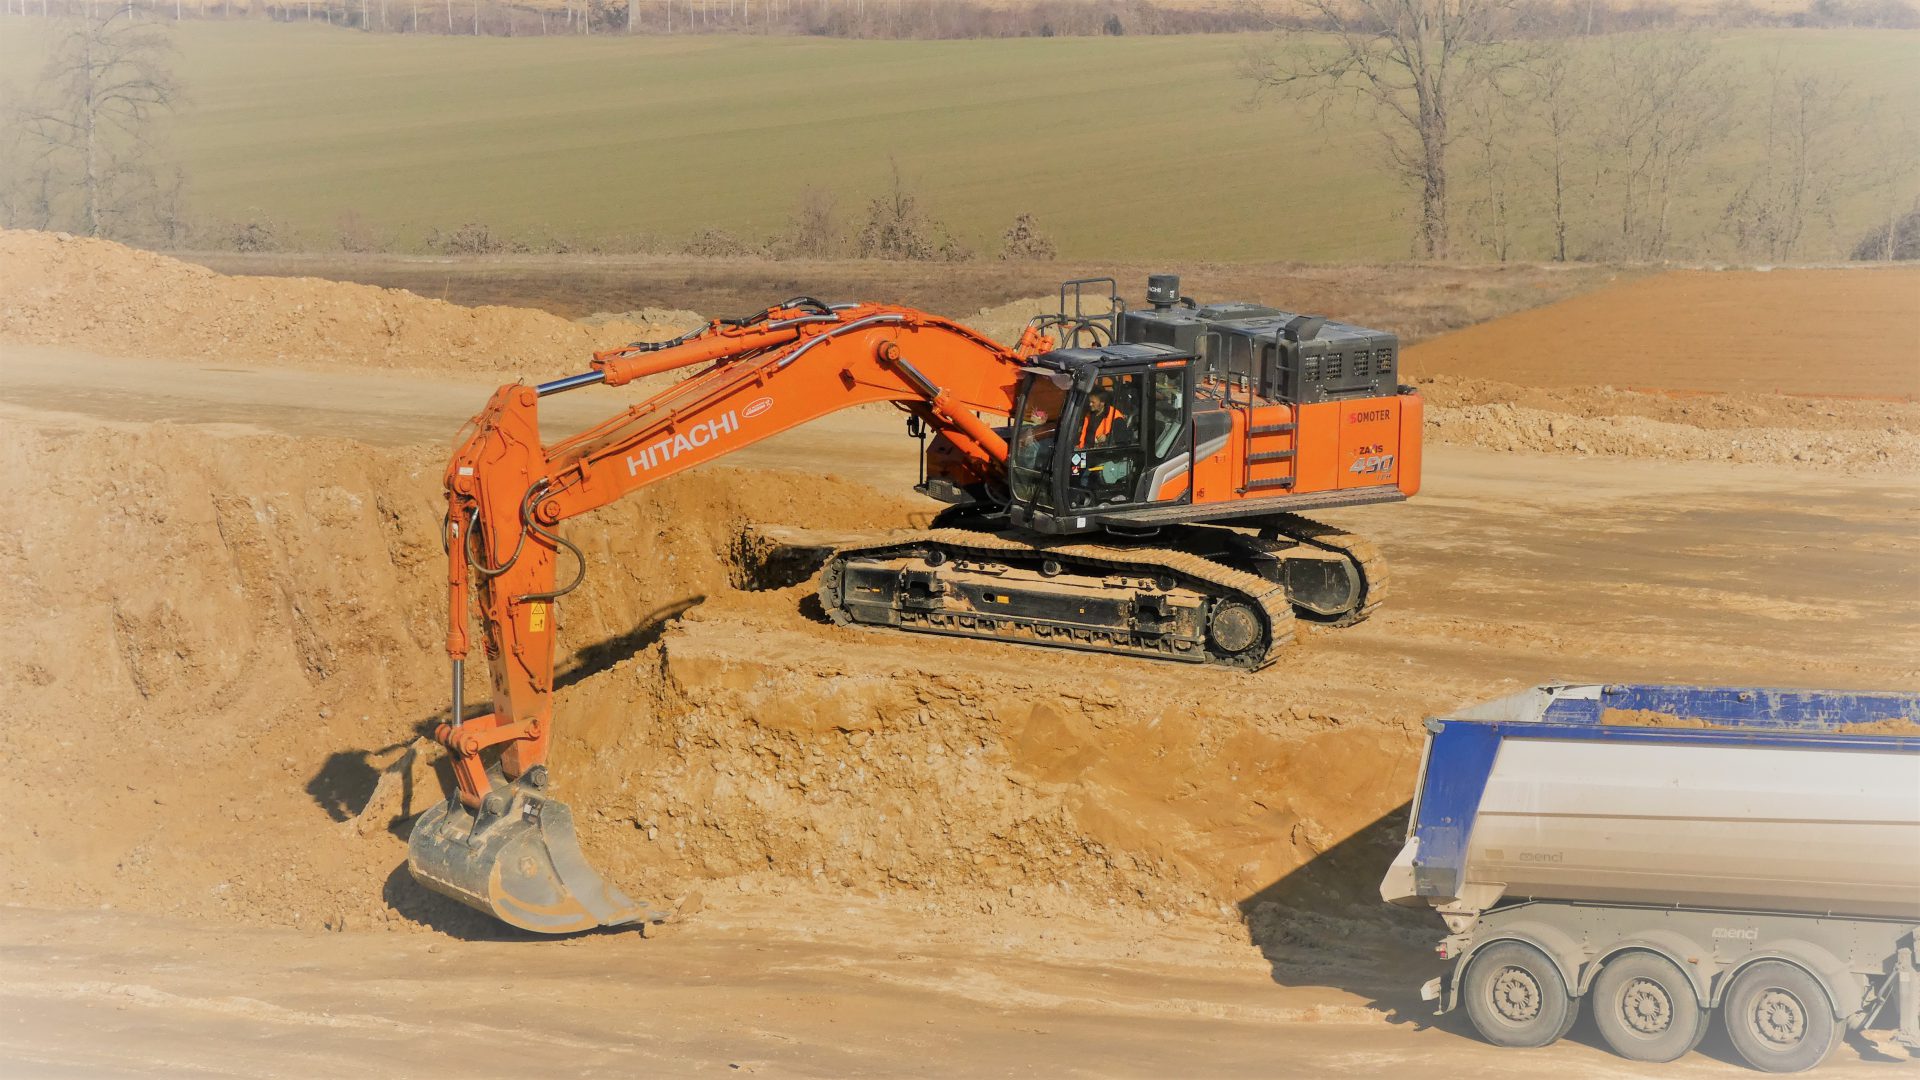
[1138, 490]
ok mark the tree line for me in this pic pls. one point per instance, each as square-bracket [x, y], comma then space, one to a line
[953, 19]
[894, 225]
[1517, 145]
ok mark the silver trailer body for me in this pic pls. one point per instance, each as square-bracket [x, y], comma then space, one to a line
[1718, 836]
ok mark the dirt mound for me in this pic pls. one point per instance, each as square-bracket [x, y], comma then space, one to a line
[1834, 434]
[1698, 409]
[60, 289]
[764, 745]
[218, 642]
[1005, 322]
[644, 317]
[261, 622]
[1826, 333]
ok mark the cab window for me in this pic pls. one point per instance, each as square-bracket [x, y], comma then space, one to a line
[1167, 408]
[1108, 455]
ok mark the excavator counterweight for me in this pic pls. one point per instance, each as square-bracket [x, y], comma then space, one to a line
[1122, 482]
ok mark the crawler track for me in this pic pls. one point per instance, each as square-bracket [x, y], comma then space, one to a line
[1365, 556]
[1134, 600]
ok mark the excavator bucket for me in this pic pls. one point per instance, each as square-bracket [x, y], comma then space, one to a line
[521, 865]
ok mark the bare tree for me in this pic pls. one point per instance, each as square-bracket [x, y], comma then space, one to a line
[1560, 93]
[1408, 62]
[1668, 97]
[814, 231]
[1489, 117]
[27, 181]
[1892, 174]
[898, 228]
[1807, 131]
[91, 116]
[1023, 240]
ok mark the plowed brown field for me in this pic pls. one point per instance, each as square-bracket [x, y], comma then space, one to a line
[1822, 333]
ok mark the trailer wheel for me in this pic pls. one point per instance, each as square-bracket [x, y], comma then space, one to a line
[1646, 1009]
[1516, 997]
[1779, 1018]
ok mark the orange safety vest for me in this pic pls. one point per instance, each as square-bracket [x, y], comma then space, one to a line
[1102, 431]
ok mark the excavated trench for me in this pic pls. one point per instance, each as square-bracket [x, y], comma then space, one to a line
[261, 622]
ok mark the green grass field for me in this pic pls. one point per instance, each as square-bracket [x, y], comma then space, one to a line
[1125, 148]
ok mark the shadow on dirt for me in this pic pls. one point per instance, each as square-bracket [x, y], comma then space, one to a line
[1324, 924]
[347, 779]
[398, 781]
[600, 656]
[414, 903]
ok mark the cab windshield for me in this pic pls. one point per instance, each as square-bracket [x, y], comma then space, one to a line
[1035, 429]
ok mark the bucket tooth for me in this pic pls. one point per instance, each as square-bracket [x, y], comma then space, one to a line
[522, 865]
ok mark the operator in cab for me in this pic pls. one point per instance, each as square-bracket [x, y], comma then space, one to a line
[1104, 424]
[1103, 468]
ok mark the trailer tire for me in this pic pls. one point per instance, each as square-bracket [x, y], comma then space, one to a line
[1779, 1018]
[1645, 1008]
[1573, 1017]
[1515, 996]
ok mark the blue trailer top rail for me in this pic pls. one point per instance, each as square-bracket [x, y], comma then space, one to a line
[1758, 707]
[1806, 710]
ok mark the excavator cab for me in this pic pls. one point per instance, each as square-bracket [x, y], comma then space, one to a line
[1098, 431]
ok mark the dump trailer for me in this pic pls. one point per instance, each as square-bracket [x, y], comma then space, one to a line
[1667, 854]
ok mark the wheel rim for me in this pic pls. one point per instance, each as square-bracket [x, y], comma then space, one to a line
[1516, 995]
[1646, 1007]
[1778, 1018]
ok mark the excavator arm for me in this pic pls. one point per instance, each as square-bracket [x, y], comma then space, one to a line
[501, 844]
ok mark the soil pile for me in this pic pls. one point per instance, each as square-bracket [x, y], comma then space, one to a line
[217, 643]
[60, 289]
[1860, 437]
[1784, 367]
[1005, 322]
[1708, 411]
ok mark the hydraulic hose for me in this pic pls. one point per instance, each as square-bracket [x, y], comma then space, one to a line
[579, 564]
[534, 491]
[473, 557]
[761, 316]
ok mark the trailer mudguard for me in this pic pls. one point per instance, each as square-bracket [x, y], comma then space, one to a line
[1845, 990]
[1685, 954]
[1566, 954]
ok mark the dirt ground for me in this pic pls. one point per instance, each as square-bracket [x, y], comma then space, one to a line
[919, 856]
